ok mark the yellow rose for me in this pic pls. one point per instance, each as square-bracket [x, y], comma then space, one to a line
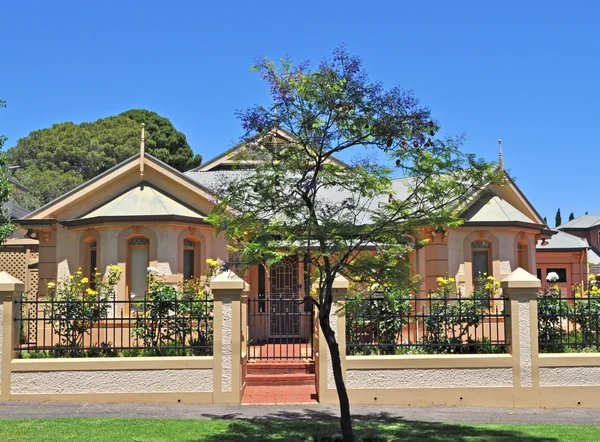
[51, 285]
[70, 277]
[85, 280]
[91, 292]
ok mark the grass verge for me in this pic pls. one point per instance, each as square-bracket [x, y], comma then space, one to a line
[151, 430]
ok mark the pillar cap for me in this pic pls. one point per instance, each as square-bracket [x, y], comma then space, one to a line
[340, 282]
[228, 281]
[520, 279]
[9, 283]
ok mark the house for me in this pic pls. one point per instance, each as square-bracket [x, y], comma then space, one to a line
[144, 213]
[566, 255]
[587, 227]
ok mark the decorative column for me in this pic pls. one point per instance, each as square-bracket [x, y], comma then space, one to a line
[227, 289]
[521, 288]
[337, 319]
[11, 290]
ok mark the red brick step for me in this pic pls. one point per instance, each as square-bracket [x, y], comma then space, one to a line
[281, 379]
[276, 367]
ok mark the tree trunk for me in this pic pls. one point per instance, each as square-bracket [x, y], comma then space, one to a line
[334, 351]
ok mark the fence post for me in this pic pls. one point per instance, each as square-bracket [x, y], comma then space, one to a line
[227, 289]
[11, 290]
[521, 288]
[337, 319]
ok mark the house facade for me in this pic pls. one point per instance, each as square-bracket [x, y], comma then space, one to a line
[143, 213]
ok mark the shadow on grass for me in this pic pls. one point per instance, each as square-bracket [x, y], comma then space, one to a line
[311, 425]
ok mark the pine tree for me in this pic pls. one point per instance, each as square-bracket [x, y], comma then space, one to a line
[571, 216]
[557, 218]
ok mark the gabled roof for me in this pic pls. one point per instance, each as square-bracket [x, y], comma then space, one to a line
[113, 175]
[563, 241]
[142, 200]
[227, 158]
[583, 222]
[493, 208]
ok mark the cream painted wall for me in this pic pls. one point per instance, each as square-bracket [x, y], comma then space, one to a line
[504, 253]
[112, 248]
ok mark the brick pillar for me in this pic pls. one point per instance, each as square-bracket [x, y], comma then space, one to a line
[227, 289]
[521, 288]
[337, 319]
[11, 290]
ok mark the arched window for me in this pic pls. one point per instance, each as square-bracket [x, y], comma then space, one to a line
[480, 252]
[137, 267]
[190, 259]
[523, 255]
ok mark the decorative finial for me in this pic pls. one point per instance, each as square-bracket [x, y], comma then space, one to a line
[500, 159]
[142, 151]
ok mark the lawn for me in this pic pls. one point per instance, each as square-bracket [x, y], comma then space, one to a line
[112, 429]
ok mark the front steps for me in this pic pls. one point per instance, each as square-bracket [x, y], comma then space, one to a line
[280, 382]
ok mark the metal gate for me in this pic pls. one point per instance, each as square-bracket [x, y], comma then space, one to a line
[280, 321]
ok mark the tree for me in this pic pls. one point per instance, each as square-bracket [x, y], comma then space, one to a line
[557, 218]
[57, 159]
[301, 201]
[6, 225]
[571, 216]
[546, 220]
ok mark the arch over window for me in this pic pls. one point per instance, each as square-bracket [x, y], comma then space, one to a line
[481, 259]
[137, 268]
[190, 259]
[139, 241]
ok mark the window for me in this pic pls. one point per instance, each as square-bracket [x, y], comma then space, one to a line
[539, 274]
[93, 262]
[598, 239]
[138, 266]
[189, 259]
[480, 251]
[561, 272]
[523, 255]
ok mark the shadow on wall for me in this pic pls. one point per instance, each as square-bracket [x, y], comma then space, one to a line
[378, 427]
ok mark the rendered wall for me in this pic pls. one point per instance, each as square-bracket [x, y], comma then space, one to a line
[110, 381]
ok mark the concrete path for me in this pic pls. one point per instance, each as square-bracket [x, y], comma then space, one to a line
[47, 410]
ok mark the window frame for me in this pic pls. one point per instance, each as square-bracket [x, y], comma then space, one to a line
[196, 255]
[129, 267]
[488, 250]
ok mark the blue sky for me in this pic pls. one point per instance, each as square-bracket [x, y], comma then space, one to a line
[526, 72]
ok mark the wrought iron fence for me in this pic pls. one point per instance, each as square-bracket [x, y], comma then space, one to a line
[568, 324]
[280, 327]
[425, 324]
[110, 328]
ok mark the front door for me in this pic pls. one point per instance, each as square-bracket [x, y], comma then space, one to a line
[284, 299]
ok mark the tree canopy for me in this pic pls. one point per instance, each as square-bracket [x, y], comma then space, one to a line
[57, 159]
[6, 226]
[353, 221]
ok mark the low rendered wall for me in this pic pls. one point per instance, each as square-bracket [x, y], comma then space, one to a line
[485, 380]
[190, 379]
[521, 378]
[176, 379]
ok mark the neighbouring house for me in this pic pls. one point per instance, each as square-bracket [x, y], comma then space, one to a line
[588, 228]
[566, 255]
